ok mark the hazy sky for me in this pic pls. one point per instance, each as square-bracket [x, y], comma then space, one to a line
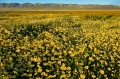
[114, 2]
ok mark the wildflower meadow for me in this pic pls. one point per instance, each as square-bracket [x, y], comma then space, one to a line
[60, 45]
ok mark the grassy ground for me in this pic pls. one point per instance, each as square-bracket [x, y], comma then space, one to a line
[60, 45]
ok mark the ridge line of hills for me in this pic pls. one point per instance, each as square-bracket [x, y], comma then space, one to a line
[58, 6]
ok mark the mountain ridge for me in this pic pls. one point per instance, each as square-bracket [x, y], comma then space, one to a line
[58, 6]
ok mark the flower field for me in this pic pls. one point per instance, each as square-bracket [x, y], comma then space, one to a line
[60, 45]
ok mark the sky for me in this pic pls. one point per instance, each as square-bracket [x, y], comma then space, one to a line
[114, 2]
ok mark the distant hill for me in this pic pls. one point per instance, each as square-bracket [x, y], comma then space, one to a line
[59, 6]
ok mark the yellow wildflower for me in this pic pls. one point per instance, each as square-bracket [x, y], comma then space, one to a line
[63, 73]
[18, 50]
[51, 76]
[63, 67]
[1, 64]
[86, 67]
[82, 76]
[109, 69]
[38, 78]
[93, 76]
[90, 46]
[52, 58]
[101, 71]
[47, 70]
[68, 68]
[91, 59]
[52, 43]
[39, 70]
[43, 73]
[112, 58]
[10, 59]
[59, 62]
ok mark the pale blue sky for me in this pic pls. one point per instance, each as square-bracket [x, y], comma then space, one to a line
[114, 2]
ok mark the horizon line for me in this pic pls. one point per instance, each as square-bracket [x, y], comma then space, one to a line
[59, 3]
